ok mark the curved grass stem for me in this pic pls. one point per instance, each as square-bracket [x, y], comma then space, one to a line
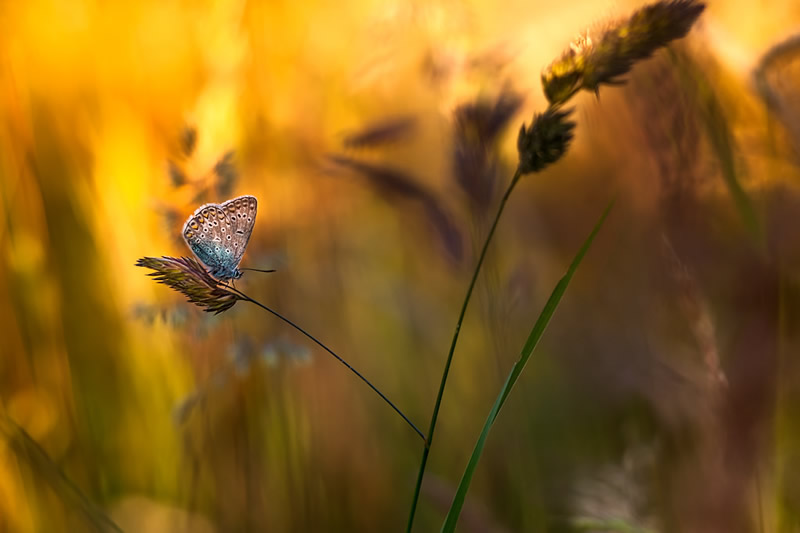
[334, 354]
[435, 415]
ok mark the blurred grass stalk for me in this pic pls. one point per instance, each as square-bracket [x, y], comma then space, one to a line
[587, 64]
[48, 474]
[719, 132]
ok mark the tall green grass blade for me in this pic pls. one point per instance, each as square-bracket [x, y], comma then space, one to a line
[533, 339]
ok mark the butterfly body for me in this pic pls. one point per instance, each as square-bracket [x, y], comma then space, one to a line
[218, 234]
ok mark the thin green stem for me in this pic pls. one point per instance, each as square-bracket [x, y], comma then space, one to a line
[334, 354]
[426, 450]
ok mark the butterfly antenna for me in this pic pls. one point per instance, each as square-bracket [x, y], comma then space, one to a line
[257, 270]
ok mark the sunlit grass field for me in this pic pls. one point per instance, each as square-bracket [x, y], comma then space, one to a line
[379, 138]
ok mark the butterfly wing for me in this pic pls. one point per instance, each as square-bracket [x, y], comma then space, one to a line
[240, 214]
[205, 233]
[218, 234]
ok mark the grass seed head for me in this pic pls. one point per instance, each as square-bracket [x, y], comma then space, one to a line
[187, 276]
[590, 62]
[545, 141]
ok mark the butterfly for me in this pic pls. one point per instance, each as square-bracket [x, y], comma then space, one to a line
[218, 234]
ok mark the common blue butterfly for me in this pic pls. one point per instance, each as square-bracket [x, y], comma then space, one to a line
[218, 234]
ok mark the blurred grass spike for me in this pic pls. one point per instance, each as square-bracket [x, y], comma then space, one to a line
[380, 133]
[388, 181]
[589, 63]
[187, 276]
[545, 141]
[394, 183]
[478, 124]
[188, 140]
[226, 173]
[484, 119]
[176, 175]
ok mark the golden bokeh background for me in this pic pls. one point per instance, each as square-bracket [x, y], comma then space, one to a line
[664, 396]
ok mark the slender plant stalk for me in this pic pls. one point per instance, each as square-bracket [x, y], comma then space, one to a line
[535, 335]
[334, 354]
[426, 450]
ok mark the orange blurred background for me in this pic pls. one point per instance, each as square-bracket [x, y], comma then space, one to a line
[665, 394]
